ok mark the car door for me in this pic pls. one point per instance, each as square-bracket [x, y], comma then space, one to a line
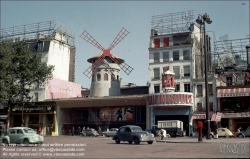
[128, 134]
[121, 133]
[12, 136]
[19, 136]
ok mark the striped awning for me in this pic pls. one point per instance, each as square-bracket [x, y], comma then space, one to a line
[233, 92]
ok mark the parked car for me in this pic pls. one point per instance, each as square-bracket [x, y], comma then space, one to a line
[223, 132]
[22, 135]
[244, 133]
[89, 132]
[110, 133]
[133, 133]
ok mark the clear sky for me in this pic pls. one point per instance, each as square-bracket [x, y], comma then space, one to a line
[104, 19]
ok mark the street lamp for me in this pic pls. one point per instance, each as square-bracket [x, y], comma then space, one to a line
[202, 20]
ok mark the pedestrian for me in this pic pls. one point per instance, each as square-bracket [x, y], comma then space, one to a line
[83, 129]
[73, 131]
[79, 130]
[100, 131]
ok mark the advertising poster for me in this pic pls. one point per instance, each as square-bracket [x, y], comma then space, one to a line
[116, 114]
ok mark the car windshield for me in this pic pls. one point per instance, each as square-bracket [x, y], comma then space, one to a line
[29, 131]
[136, 129]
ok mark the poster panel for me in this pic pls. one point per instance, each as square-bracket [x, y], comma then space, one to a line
[117, 114]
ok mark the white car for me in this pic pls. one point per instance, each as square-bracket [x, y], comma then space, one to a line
[111, 132]
[22, 135]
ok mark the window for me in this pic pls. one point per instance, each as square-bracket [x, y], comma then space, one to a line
[156, 57]
[229, 81]
[40, 46]
[199, 107]
[12, 132]
[98, 77]
[106, 77]
[166, 42]
[157, 89]
[36, 97]
[176, 55]
[186, 71]
[186, 55]
[211, 106]
[199, 90]
[176, 70]
[210, 89]
[112, 77]
[19, 131]
[177, 88]
[165, 56]
[156, 73]
[186, 87]
[157, 43]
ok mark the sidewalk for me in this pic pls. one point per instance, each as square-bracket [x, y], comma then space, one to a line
[204, 140]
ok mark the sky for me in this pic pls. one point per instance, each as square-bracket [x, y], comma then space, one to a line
[104, 19]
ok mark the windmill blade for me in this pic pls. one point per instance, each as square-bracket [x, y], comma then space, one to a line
[121, 35]
[126, 68]
[87, 37]
[91, 70]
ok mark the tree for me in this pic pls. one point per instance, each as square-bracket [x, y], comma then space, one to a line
[20, 69]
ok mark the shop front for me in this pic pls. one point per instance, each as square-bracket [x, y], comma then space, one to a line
[41, 117]
[234, 104]
[171, 106]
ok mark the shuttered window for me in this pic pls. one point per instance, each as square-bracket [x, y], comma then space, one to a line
[186, 71]
[166, 42]
[157, 43]
[165, 56]
[156, 73]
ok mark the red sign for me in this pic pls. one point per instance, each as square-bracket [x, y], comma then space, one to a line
[117, 114]
[168, 98]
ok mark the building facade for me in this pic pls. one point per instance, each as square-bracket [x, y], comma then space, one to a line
[54, 43]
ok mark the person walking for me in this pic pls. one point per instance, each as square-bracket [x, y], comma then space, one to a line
[100, 131]
[73, 131]
[79, 130]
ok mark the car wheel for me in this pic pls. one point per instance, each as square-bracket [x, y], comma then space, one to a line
[240, 135]
[130, 142]
[5, 142]
[117, 140]
[26, 142]
[104, 135]
[150, 142]
[211, 136]
[136, 141]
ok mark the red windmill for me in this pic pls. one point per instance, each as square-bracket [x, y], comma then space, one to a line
[106, 53]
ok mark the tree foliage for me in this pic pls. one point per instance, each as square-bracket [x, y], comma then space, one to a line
[20, 69]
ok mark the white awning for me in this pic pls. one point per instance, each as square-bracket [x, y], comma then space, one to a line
[233, 92]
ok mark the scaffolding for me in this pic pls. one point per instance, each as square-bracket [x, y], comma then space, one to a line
[33, 31]
[231, 53]
[172, 23]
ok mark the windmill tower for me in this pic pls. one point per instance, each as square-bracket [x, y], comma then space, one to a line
[105, 67]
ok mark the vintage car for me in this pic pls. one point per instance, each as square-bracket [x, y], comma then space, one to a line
[90, 132]
[110, 133]
[223, 132]
[22, 135]
[133, 133]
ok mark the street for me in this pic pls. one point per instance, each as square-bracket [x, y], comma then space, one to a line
[105, 147]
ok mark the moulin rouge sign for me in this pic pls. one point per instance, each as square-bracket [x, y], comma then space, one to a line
[170, 99]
